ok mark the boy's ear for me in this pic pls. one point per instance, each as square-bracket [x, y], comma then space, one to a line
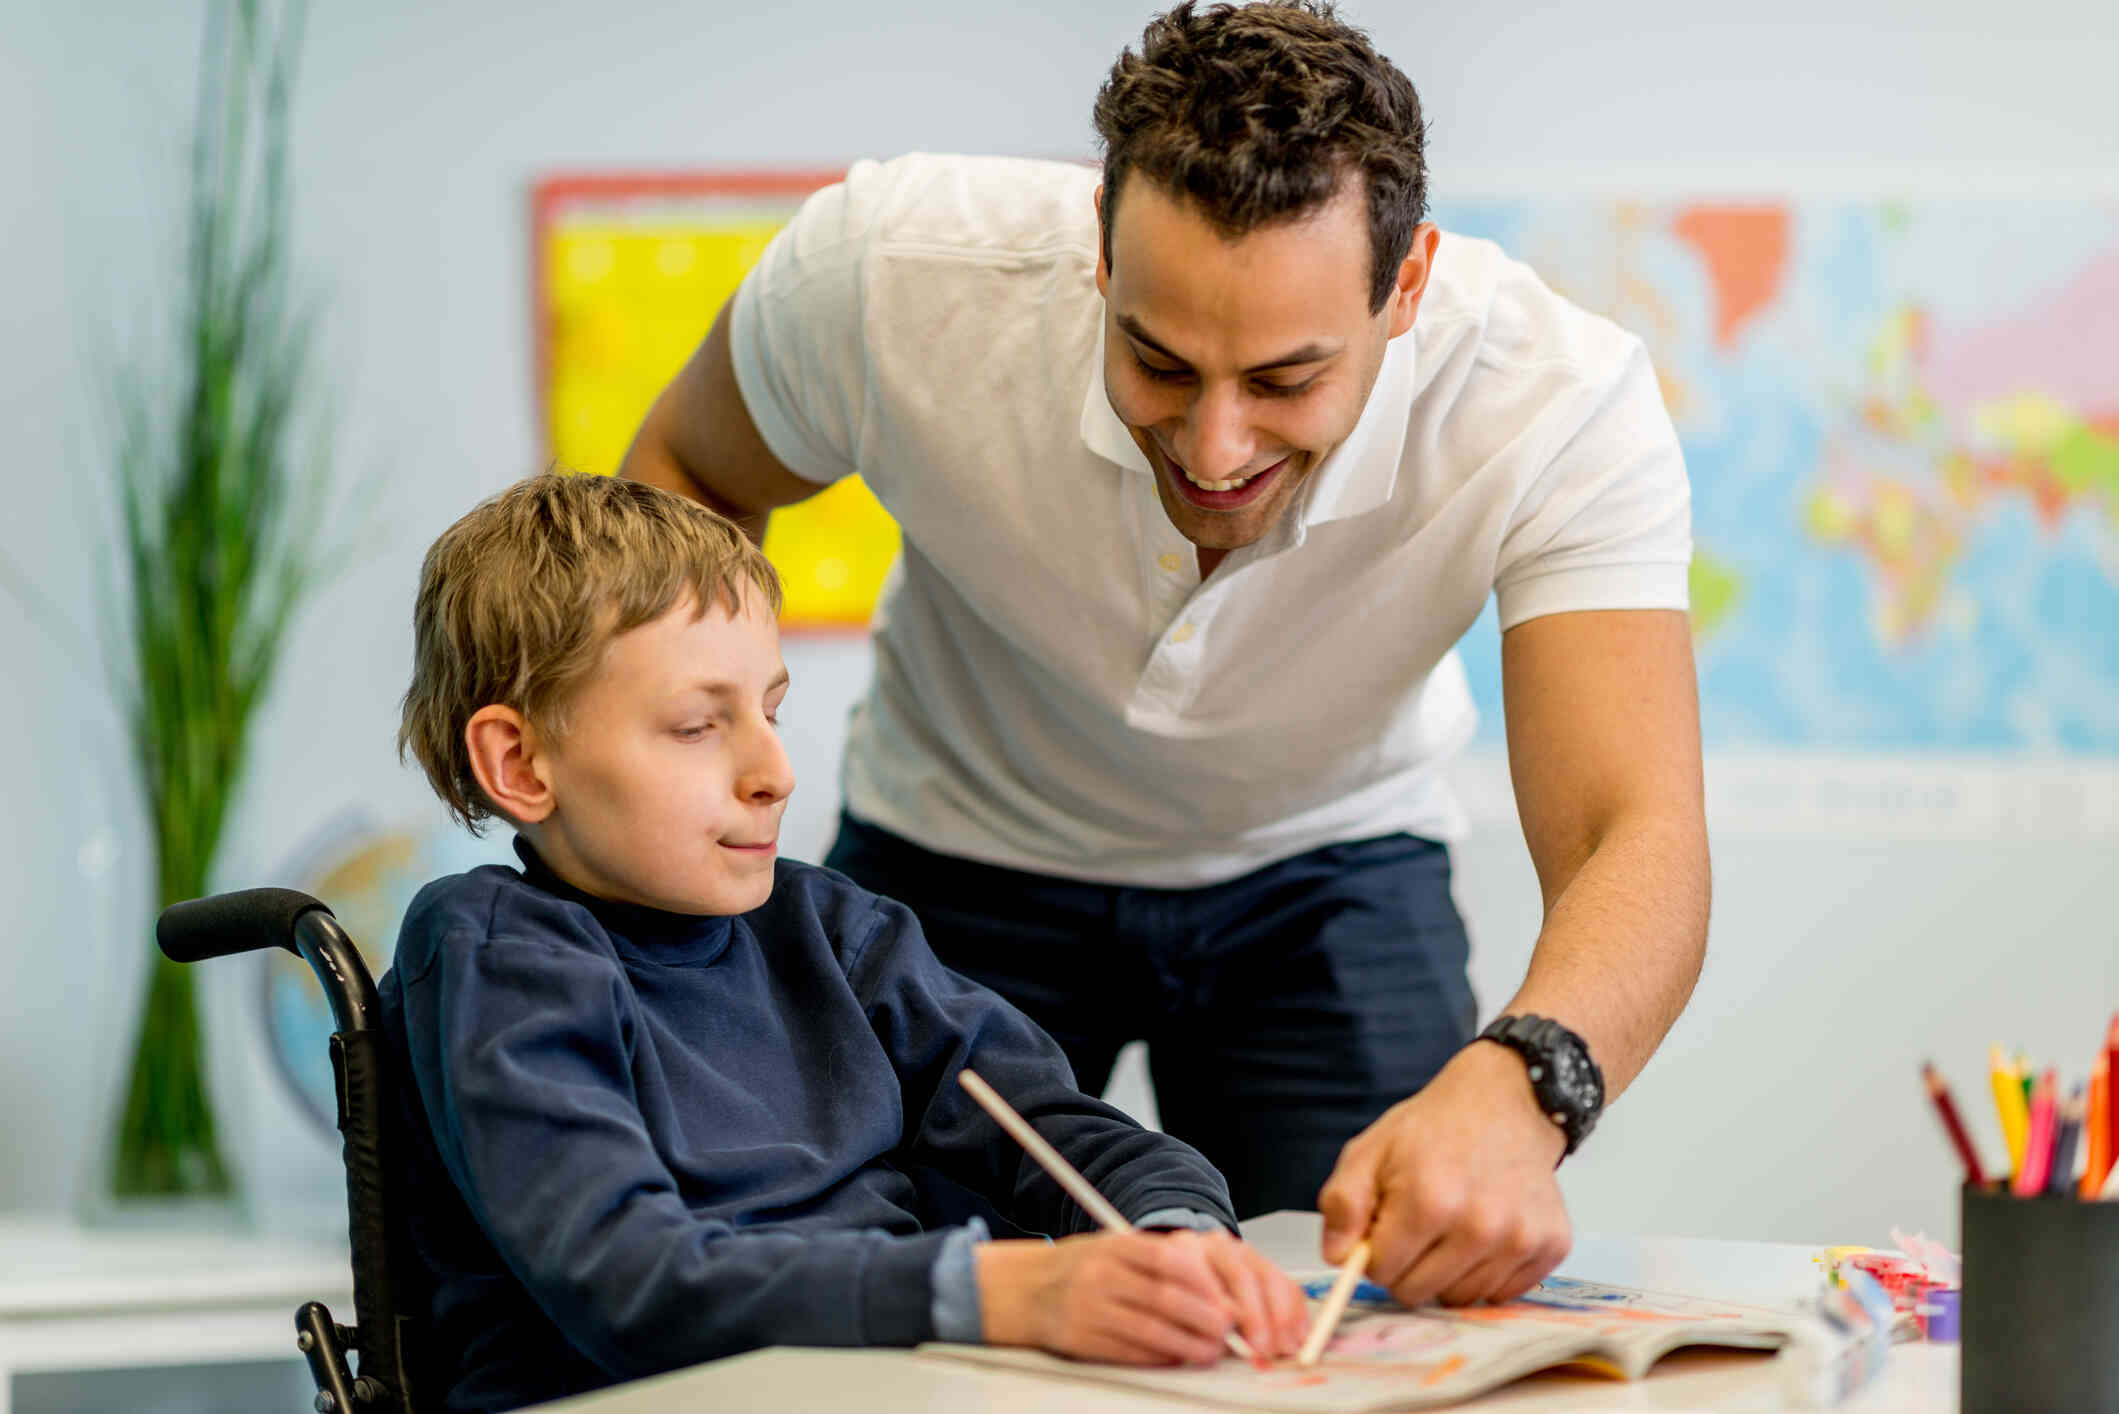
[505, 761]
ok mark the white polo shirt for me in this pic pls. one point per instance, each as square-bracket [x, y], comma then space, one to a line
[1055, 687]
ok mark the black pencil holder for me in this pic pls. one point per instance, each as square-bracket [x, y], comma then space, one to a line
[2041, 1304]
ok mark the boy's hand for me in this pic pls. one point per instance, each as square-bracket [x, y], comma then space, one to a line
[1270, 1310]
[1133, 1298]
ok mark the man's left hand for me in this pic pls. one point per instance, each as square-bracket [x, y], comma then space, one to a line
[1454, 1187]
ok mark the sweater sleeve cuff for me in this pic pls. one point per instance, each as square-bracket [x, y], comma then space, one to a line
[897, 1290]
[1182, 1217]
[955, 1307]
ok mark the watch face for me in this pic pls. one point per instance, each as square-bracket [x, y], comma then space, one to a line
[1571, 1076]
[1579, 1079]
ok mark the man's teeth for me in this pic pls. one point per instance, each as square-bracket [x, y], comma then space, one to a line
[1230, 485]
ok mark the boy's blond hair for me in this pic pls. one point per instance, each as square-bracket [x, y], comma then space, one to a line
[518, 600]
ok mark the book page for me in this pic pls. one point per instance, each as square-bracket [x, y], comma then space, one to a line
[1384, 1357]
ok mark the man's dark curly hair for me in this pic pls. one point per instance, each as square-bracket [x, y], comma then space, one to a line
[1256, 112]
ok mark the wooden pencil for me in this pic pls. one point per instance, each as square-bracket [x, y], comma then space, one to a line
[1953, 1126]
[2038, 1140]
[1067, 1176]
[2061, 1176]
[1357, 1262]
[2110, 1118]
[2096, 1134]
[2009, 1104]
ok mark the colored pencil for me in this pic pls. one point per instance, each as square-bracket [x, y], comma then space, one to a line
[2096, 1134]
[1335, 1300]
[1067, 1176]
[2110, 1117]
[1939, 1093]
[2008, 1103]
[2069, 1118]
[2038, 1140]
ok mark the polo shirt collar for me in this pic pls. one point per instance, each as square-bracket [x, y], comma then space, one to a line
[1356, 477]
[1102, 432]
[1359, 475]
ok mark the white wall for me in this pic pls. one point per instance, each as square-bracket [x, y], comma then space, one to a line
[1784, 1104]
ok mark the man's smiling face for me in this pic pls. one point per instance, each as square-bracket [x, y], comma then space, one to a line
[1238, 364]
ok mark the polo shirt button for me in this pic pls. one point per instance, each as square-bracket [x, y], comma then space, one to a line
[1172, 562]
[1183, 633]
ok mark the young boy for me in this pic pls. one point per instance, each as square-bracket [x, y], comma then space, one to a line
[668, 1097]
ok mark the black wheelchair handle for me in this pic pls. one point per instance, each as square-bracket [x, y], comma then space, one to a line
[224, 924]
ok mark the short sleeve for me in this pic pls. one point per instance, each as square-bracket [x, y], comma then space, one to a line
[1607, 524]
[795, 335]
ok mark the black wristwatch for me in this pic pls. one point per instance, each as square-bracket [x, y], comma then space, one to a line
[1569, 1087]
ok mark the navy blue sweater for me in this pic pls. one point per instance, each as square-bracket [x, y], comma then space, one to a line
[637, 1140]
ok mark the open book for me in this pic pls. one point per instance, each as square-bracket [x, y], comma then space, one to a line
[1386, 1357]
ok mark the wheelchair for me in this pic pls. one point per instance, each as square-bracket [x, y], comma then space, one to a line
[384, 1337]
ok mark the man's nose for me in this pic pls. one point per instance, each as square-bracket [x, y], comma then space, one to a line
[1215, 442]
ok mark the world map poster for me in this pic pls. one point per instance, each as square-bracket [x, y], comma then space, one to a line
[1900, 418]
[1901, 422]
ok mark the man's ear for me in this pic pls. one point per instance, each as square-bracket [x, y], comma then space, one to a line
[1103, 269]
[504, 758]
[1404, 300]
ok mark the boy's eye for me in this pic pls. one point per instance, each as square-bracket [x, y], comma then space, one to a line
[694, 732]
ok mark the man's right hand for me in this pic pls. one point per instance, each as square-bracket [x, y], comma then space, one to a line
[1136, 1298]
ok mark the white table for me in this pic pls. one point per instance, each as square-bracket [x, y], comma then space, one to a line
[95, 1299]
[1919, 1378]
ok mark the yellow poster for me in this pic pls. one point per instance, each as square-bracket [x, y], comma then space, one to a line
[630, 272]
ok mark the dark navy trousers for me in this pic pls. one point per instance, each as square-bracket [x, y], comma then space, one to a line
[1283, 1010]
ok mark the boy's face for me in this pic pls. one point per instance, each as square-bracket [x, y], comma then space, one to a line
[669, 780]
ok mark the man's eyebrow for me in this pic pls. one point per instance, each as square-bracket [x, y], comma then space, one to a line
[1308, 353]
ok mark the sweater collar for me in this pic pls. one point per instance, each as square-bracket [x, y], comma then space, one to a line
[653, 934]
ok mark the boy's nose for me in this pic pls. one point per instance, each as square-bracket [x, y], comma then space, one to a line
[768, 775]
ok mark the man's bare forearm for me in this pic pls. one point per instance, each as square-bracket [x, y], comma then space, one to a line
[650, 460]
[1623, 942]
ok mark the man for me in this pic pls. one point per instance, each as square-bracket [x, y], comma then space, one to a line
[1203, 467]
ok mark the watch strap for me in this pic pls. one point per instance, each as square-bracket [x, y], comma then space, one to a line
[1564, 1077]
